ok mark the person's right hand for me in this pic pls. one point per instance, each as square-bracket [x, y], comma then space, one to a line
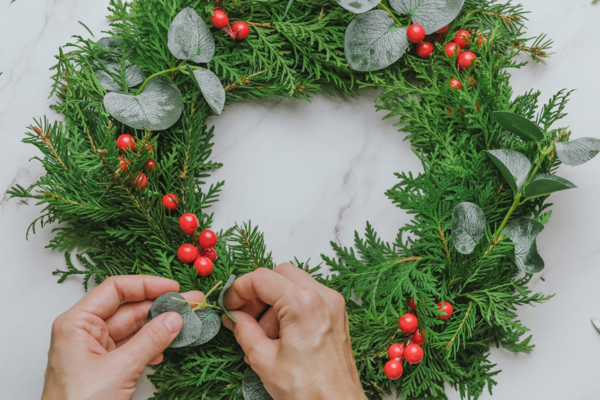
[300, 348]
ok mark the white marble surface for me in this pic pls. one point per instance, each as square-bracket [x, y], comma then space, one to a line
[308, 173]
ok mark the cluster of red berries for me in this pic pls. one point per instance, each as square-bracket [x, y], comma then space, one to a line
[240, 30]
[411, 349]
[416, 34]
[461, 41]
[203, 253]
[126, 143]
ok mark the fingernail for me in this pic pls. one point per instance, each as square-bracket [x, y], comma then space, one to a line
[173, 321]
[227, 322]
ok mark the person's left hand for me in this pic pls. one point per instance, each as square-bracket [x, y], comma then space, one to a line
[100, 347]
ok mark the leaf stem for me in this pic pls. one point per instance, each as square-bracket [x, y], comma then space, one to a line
[383, 7]
[166, 71]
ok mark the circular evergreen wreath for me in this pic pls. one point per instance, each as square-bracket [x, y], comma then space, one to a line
[488, 160]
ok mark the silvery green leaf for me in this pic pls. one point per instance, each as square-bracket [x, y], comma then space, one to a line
[190, 38]
[579, 151]
[513, 165]
[110, 43]
[157, 107]
[211, 88]
[523, 232]
[289, 5]
[358, 6]
[373, 41]
[220, 301]
[468, 227]
[520, 126]
[253, 388]
[543, 184]
[596, 323]
[133, 76]
[192, 325]
[431, 14]
[211, 323]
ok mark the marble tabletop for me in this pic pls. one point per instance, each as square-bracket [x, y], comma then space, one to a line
[306, 174]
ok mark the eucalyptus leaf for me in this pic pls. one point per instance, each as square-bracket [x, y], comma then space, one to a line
[158, 107]
[110, 43]
[520, 126]
[579, 151]
[468, 227]
[211, 88]
[220, 301]
[289, 5]
[190, 38]
[543, 184]
[523, 232]
[358, 6]
[192, 325]
[133, 76]
[373, 41]
[211, 323]
[253, 388]
[433, 15]
[513, 165]
[596, 323]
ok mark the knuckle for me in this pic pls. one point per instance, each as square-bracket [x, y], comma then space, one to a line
[337, 301]
[308, 299]
[261, 272]
[284, 266]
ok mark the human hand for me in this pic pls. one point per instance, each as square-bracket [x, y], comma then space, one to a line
[100, 347]
[300, 348]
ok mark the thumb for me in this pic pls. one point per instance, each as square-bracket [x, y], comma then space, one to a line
[151, 340]
[257, 346]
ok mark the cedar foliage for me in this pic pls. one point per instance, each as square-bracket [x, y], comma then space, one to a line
[114, 228]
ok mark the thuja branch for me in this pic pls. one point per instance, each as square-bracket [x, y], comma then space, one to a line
[460, 327]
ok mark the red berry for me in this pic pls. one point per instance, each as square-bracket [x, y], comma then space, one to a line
[450, 111]
[462, 38]
[424, 49]
[149, 147]
[466, 59]
[455, 84]
[413, 353]
[240, 30]
[471, 81]
[408, 323]
[419, 337]
[447, 308]
[396, 352]
[187, 253]
[415, 33]
[210, 253]
[443, 30]
[188, 223]
[123, 163]
[170, 201]
[203, 265]
[393, 369]
[412, 305]
[219, 19]
[451, 49]
[150, 165]
[140, 181]
[126, 142]
[482, 40]
[207, 238]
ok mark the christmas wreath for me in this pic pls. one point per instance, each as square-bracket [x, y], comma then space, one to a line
[125, 169]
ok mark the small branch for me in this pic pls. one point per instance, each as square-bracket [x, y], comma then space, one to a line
[413, 258]
[249, 247]
[245, 81]
[535, 50]
[46, 138]
[460, 327]
[261, 25]
[87, 131]
[506, 18]
[444, 240]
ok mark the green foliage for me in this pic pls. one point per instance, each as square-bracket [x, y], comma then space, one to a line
[115, 228]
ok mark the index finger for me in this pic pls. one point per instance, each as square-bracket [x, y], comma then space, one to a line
[263, 284]
[106, 298]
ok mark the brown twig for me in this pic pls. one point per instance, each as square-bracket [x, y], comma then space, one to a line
[535, 50]
[444, 240]
[245, 81]
[261, 25]
[87, 131]
[413, 258]
[460, 327]
[249, 247]
[506, 18]
[46, 138]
